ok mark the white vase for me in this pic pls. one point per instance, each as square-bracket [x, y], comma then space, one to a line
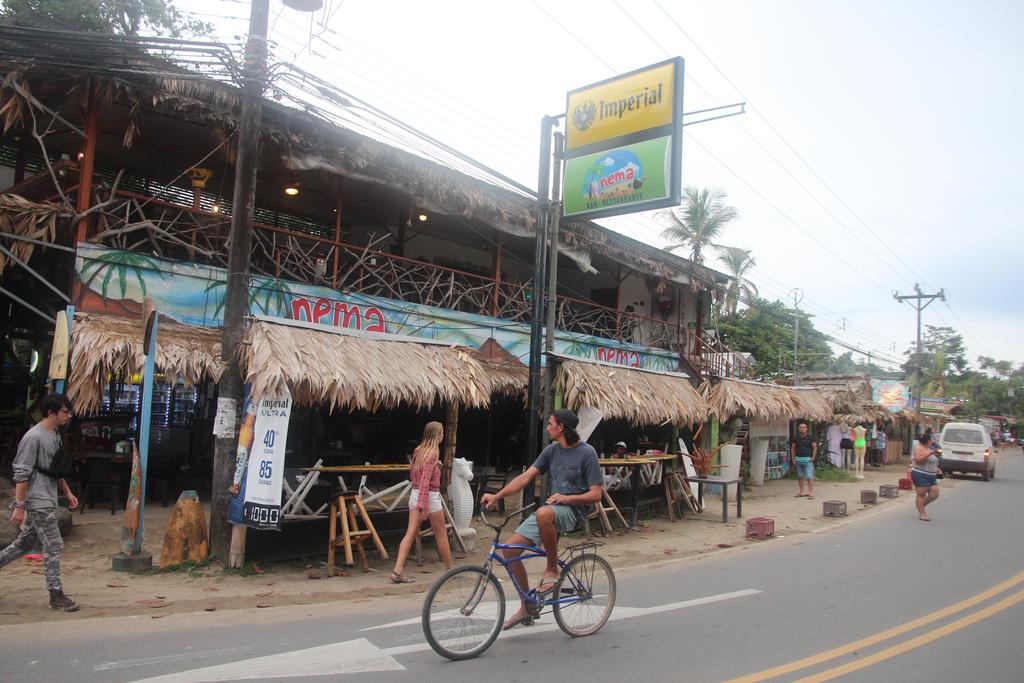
[729, 459]
[758, 460]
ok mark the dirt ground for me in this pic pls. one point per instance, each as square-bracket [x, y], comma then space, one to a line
[102, 592]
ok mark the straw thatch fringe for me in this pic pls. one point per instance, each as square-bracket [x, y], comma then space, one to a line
[361, 372]
[105, 345]
[643, 398]
[35, 220]
[811, 404]
[756, 401]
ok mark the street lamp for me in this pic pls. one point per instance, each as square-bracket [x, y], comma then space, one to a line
[227, 543]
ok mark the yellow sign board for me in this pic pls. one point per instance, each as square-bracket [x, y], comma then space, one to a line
[59, 354]
[614, 112]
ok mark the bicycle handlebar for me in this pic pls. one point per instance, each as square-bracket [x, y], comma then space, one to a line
[499, 527]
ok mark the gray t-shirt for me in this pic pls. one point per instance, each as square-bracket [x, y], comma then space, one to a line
[571, 471]
[37, 448]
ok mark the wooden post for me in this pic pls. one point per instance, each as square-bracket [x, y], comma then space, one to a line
[337, 238]
[497, 277]
[451, 427]
[86, 167]
[19, 163]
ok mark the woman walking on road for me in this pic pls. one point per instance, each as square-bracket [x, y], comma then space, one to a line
[425, 500]
[924, 470]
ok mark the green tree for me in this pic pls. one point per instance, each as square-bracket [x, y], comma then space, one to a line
[697, 223]
[765, 329]
[738, 262]
[122, 17]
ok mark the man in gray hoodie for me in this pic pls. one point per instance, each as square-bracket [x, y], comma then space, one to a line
[35, 497]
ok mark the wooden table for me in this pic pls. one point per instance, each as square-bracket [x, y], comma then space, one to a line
[634, 480]
[402, 488]
[725, 484]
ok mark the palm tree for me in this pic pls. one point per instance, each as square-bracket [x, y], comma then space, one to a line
[697, 222]
[738, 263]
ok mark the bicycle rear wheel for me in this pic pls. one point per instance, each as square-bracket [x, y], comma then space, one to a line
[590, 579]
[463, 612]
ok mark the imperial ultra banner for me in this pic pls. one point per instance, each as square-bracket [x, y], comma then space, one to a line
[623, 144]
[259, 469]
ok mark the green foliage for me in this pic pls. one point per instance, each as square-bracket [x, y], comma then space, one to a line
[189, 567]
[766, 330]
[697, 222]
[833, 474]
[122, 17]
[738, 262]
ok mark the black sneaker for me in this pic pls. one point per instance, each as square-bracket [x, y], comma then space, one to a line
[59, 601]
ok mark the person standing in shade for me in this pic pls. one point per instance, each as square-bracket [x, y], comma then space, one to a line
[924, 471]
[803, 453]
[35, 497]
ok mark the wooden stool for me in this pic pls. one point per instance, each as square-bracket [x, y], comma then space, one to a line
[344, 506]
[671, 482]
[601, 510]
[428, 532]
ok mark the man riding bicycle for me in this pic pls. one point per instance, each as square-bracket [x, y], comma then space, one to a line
[575, 483]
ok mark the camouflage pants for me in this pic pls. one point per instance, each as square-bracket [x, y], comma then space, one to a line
[40, 526]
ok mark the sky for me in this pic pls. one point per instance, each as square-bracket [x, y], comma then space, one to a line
[880, 147]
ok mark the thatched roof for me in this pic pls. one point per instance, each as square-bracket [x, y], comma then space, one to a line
[755, 400]
[320, 365]
[105, 345]
[34, 220]
[642, 397]
[811, 404]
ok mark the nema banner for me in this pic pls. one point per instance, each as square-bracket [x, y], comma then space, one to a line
[623, 143]
[259, 467]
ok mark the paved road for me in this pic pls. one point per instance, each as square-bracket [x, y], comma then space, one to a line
[884, 598]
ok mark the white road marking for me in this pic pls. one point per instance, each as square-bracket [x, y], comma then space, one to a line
[352, 656]
[359, 656]
[129, 663]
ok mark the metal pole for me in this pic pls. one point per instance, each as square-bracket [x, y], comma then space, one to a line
[554, 215]
[798, 296]
[227, 543]
[533, 388]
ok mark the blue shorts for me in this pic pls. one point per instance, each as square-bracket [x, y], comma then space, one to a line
[804, 468]
[922, 480]
[565, 521]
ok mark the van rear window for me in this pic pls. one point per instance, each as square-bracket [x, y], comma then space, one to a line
[972, 436]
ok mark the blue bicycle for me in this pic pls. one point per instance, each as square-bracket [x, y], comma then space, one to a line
[465, 609]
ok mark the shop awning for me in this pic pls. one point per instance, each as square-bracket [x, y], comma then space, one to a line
[107, 345]
[321, 364]
[643, 397]
[761, 401]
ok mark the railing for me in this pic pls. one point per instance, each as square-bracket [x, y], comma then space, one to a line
[136, 222]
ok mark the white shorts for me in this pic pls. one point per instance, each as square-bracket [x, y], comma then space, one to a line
[433, 500]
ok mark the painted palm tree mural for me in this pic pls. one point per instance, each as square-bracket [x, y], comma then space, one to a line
[738, 263]
[697, 223]
[270, 296]
[121, 268]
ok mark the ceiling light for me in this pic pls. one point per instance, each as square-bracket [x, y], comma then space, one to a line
[215, 209]
[292, 189]
[423, 218]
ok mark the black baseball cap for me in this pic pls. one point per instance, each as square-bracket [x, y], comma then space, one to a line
[566, 418]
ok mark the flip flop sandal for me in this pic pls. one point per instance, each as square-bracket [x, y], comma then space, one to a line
[401, 578]
[524, 619]
[549, 582]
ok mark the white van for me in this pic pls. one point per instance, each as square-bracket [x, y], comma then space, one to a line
[966, 447]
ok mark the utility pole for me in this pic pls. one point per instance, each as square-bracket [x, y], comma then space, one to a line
[798, 296]
[533, 405]
[227, 543]
[921, 302]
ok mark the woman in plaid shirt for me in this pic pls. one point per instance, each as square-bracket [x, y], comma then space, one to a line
[425, 500]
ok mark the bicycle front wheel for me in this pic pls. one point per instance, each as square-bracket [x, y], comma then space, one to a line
[463, 612]
[589, 579]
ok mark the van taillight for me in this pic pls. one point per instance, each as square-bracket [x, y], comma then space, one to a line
[987, 453]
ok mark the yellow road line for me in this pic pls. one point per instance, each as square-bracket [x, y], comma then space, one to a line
[880, 636]
[900, 648]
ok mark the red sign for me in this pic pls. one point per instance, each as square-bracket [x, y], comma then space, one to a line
[338, 313]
